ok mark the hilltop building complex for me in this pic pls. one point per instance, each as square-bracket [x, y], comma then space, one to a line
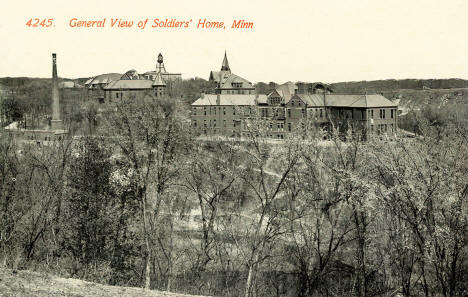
[287, 109]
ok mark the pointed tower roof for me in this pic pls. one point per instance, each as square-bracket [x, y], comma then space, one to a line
[158, 81]
[225, 66]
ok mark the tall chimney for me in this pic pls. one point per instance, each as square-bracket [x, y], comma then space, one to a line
[56, 122]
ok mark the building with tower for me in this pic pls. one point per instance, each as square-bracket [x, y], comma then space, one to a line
[132, 84]
[228, 82]
[289, 108]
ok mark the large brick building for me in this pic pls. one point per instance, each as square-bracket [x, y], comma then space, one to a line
[289, 108]
[224, 114]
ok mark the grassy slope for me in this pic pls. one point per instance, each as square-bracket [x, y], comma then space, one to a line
[27, 283]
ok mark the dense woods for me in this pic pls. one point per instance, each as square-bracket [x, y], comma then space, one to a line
[140, 201]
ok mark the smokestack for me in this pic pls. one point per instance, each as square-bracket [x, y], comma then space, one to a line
[56, 122]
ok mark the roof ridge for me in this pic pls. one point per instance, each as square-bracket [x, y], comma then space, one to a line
[365, 99]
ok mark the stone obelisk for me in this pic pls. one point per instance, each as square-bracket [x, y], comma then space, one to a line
[56, 123]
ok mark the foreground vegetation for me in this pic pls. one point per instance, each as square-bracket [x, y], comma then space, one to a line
[141, 202]
[27, 283]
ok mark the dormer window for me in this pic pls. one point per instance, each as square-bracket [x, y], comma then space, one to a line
[275, 100]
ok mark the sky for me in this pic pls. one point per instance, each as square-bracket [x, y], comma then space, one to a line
[328, 41]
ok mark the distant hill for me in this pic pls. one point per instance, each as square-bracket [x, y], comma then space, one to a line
[14, 83]
[381, 86]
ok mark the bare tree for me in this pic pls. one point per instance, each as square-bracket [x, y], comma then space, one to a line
[424, 187]
[149, 136]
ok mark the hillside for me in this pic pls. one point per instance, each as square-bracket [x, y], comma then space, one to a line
[27, 283]
[378, 86]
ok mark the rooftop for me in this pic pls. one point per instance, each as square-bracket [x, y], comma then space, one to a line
[130, 84]
[103, 79]
[230, 99]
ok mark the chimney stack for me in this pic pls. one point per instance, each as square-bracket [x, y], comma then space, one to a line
[218, 99]
[56, 122]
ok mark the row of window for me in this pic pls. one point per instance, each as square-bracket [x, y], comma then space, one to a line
[350, 114]
[215, 110]
[212, 123]
[236, 134]
[265, 112]
[46, 138]
[293, 103]
[245, 92]
[312, 112]
[279, 126]
[382, 113]
[382, 128]
[378, 129]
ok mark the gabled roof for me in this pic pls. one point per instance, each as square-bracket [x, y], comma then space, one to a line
[215, 75]
[130, 74]
[103, 79]
[227, 82]
[158, 81]
[286, 91]
[130, 84]
[230, 99]
[274, 93]
[357, 101]
[310, 99]
[345, 100]
[225, 79]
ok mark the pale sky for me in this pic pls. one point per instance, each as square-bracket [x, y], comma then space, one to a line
[329, 41]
